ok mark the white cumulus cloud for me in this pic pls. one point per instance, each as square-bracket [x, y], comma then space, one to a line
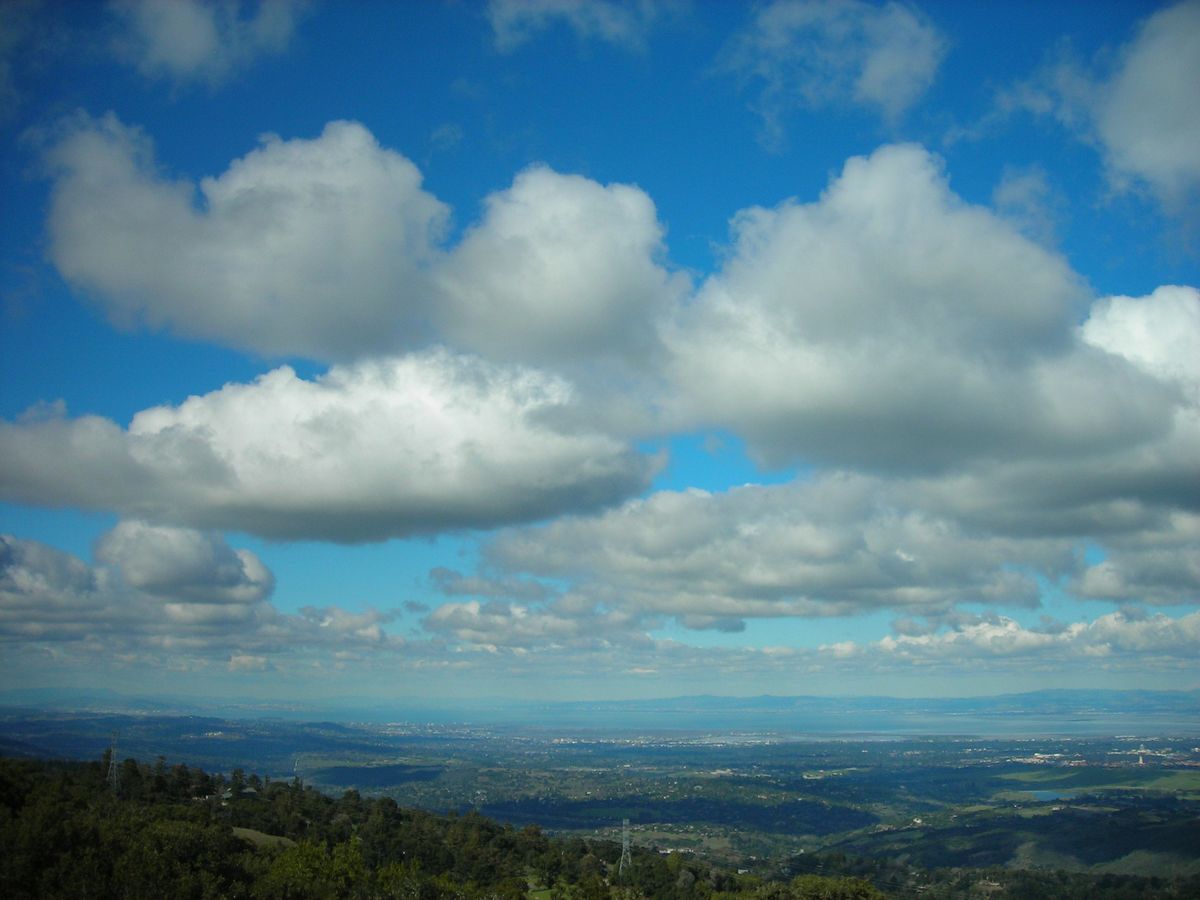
[383, 448]
[1159, 565]
[891, 324]
[559, 268]
[312, 247]
[184, 564]
[1159, 333]
[329, 248]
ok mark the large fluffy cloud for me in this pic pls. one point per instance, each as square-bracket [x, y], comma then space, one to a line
[990, 531]
[329, 248]
[560, 268]
[312, 247]
[365, 452]
[890, 324]
[817, 53]
[191, 40]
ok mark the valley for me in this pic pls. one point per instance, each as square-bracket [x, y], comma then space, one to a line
[774, 804]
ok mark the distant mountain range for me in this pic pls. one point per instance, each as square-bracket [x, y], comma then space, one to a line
[1039, 712]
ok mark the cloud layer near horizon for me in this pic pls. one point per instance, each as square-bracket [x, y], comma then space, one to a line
[54, 604]
[178, 596]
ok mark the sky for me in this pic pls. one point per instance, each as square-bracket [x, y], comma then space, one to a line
[554, 349]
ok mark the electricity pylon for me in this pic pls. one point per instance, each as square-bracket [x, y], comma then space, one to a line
[113, 778]
[626, 857]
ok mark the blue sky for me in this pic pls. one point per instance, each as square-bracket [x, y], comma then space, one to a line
[599, 349]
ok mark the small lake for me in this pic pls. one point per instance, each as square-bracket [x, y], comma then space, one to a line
[1052, 795]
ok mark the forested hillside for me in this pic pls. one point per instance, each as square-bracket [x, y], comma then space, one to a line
[179, 832]
[176, 831]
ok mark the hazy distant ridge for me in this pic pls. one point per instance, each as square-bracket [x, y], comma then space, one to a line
[1050, 711]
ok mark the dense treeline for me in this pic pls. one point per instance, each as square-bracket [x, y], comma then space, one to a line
[182, 833]
[179, 832]
[898, 876]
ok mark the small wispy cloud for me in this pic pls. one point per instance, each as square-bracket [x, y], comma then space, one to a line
[625, 23]
[817, 54]
[193, 41]
[1139, 107]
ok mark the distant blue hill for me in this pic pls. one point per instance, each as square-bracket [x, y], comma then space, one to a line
[1067, 712]
[1041, 712]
